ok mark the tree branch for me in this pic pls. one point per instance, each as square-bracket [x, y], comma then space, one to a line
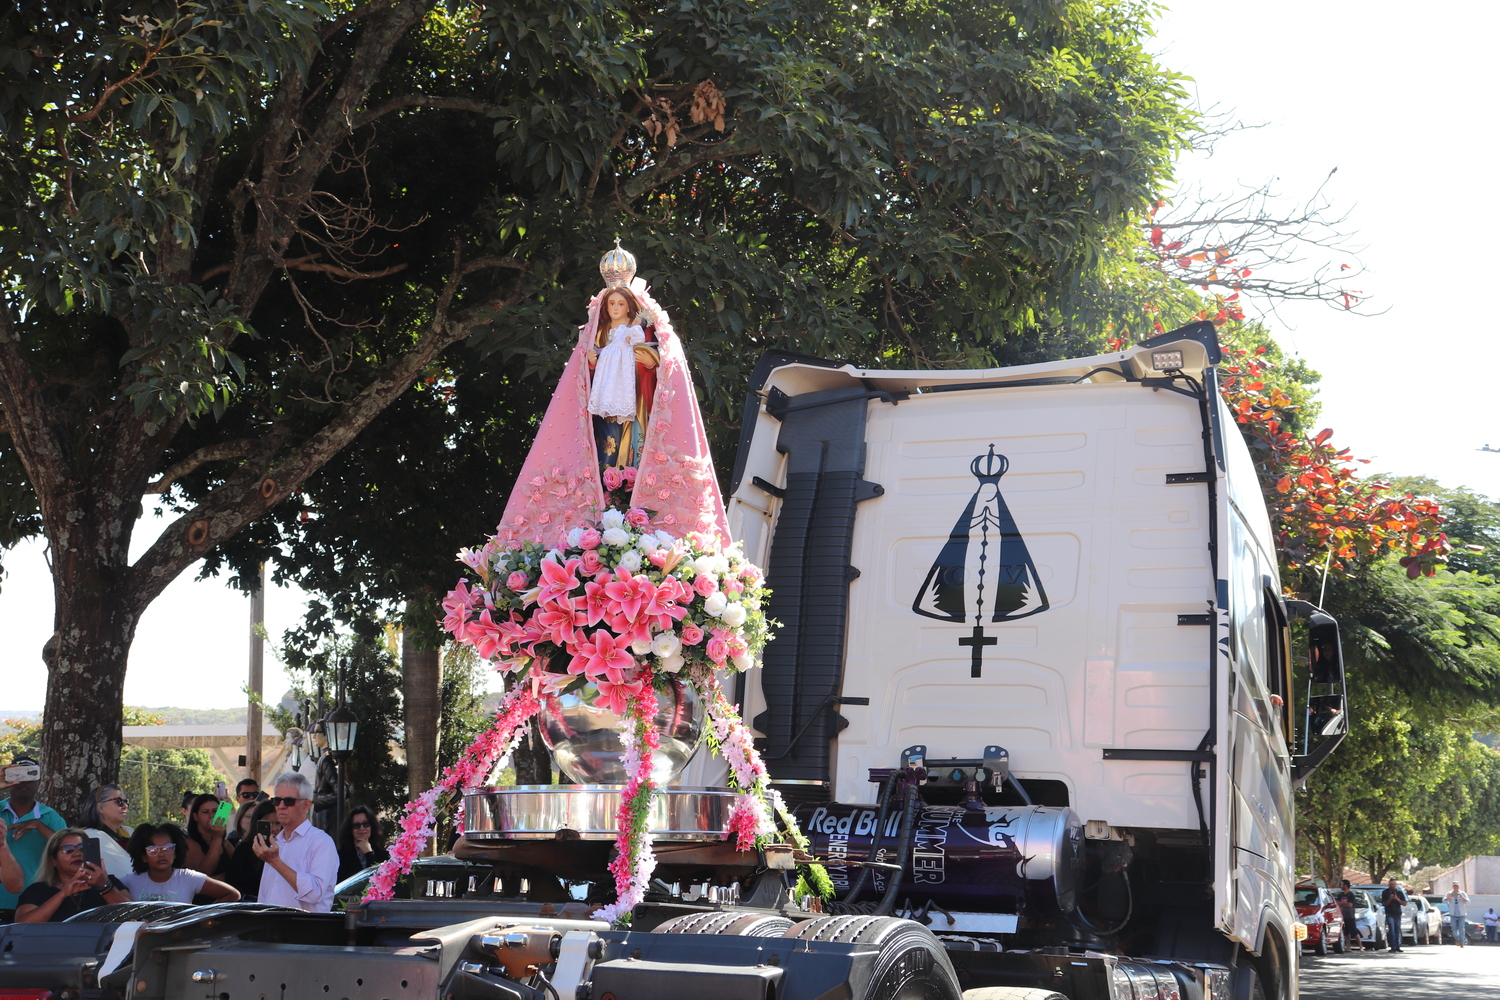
[675, 166]
[212, 453]
[258, 486]
[30, 424]
[424, 101]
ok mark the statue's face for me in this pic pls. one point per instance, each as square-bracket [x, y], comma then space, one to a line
[618, 306]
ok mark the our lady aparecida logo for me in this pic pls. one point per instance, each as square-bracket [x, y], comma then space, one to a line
[984, 571]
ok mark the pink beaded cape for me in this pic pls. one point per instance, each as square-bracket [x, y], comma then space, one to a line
[559, 487]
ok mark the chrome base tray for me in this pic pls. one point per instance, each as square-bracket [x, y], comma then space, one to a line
[587, 812]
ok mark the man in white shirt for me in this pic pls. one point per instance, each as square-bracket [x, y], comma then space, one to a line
[302, 862]
[1458, 915]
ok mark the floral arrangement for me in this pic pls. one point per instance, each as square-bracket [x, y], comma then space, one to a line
[620, 606]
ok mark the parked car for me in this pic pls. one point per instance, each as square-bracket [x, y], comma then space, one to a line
[1425, 930]
[1369, 919]
[1324, 919]
[1427, 920]
[1475, 927]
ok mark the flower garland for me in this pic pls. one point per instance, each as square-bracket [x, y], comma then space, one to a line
[492, 748]
[635, 860]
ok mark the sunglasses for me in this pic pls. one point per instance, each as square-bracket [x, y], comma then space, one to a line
[359, 826]
[285, 800]
[70, 849]
[247, 796]
[162, 849]
[120, 801]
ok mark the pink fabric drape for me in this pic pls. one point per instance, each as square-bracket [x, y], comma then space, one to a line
[559, 487]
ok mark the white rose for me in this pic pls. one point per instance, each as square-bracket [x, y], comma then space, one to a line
[743, 662]
[716, 603]
[647, 544]
[671, 664]
[616, 536]
[554, 555]
[666, 644]
[663, 539]
[575, 537]
[733, 615]
[641, 647]
[612, 518]
[631, 560]
[719, 566]
[703, 564]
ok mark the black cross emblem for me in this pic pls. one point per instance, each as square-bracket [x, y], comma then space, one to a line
[977, 642]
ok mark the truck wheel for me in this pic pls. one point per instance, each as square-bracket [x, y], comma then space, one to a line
[1011, 993]
[1244, 984]
[911, 964]
[727, 922]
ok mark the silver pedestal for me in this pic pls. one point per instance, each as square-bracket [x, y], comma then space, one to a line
[588, 812]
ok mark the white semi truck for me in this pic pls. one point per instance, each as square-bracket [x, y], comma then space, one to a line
[1033, 696]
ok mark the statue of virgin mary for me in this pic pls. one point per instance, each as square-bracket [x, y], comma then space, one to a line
[624, 407]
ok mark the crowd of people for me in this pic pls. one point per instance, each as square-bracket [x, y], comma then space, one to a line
[263, 848]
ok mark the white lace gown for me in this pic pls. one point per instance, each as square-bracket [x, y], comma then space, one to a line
[613, 393]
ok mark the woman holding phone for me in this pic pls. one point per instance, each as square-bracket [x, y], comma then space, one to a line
[208, 850]
[67, 884]
[104, 816]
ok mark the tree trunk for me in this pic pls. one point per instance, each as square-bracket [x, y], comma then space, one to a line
[421, 683]
[94, 624]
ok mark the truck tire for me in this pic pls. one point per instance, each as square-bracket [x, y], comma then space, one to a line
[727, 922]
[911, 964]
[1244, 984]
[1011, 993]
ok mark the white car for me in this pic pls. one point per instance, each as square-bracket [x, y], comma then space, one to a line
[1369, 919]
[1420, 923]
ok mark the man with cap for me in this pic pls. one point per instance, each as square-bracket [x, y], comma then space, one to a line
[28, 826]
[1458, 915]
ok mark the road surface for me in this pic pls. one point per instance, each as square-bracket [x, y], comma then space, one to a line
[1418, 972]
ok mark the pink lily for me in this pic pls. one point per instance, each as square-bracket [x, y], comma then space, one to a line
[557, 581]
[602, 656]
[631, 594]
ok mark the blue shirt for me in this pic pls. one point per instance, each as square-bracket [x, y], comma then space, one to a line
[31, 845]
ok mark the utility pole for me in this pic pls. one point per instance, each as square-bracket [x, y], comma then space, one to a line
[253, 720]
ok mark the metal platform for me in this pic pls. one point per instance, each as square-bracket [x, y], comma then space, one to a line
[587, 812]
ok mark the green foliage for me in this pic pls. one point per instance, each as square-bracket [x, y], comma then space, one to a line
[372, 688]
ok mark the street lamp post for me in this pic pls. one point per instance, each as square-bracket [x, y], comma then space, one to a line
[341, 725]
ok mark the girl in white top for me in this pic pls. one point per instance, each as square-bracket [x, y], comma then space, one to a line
[157, 854]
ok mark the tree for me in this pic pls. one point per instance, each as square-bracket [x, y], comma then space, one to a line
[233, 235]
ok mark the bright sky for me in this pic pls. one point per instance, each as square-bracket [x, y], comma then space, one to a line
[1398, 103]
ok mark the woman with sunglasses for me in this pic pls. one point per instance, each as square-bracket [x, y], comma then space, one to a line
[65, 884]
[360, 842]
[104, 820]
[208, 852]
[159, 854]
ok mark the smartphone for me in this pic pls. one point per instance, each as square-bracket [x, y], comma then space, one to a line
[221, 814]
[24, 772]
[263, 829]
[221, 790]
[91, 851]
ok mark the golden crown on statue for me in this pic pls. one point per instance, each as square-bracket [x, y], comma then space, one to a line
[617, 267]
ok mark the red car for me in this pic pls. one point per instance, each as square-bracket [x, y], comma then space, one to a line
[1325, 921]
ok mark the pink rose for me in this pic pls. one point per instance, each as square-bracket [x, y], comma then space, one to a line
[589, 539]
[591, 563]
[660, 456]
[627, 474]
[663, 494]
[705, 585]
[718, 650]
[517, 581]
[733, 586]
[690, 634]
[637, 518]
[669, 519]
[611, 478]
[658, 558]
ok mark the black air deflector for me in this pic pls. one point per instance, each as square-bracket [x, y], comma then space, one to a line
[808, 571]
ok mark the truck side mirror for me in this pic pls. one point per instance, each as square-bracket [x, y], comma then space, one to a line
[1327, 718]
